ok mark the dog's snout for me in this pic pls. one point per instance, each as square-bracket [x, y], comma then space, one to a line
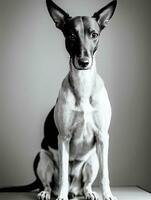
[83, 62]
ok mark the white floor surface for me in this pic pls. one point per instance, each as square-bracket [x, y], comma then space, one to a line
[122, 193]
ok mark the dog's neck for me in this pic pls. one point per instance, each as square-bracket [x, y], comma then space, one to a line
[82, 82]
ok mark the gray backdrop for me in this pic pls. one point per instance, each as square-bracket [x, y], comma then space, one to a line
[33, 62]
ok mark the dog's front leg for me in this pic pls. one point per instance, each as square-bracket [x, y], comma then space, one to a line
[63, 144]
[102, 150]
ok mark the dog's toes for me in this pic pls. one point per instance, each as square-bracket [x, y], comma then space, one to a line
[109, 197]
[48, 196]
[44, 195]
[62, 198]
[91, 196]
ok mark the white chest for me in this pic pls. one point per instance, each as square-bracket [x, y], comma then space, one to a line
[82, 117]
[82, 129]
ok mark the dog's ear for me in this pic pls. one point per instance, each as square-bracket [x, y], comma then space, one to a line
[58, 15]
[104, 14]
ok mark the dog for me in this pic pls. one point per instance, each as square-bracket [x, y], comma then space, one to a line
[76, 139]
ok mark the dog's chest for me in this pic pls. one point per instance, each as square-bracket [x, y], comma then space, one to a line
[82, 129]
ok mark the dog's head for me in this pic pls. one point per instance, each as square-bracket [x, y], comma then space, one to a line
[81, 33]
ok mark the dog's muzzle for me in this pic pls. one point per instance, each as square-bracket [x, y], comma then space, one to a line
[84, 63]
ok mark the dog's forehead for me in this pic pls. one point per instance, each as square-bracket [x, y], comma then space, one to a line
[83, 23]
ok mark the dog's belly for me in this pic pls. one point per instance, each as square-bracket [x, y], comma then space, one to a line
[83, 134]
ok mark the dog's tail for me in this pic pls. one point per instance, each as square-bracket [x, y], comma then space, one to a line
[24, 188]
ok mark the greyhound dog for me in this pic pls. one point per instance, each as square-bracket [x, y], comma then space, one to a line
[75, 146]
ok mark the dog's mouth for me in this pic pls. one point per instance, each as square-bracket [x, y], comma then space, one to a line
[82, 63]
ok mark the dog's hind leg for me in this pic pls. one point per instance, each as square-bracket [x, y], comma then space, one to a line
[90, 171]
[45, 172]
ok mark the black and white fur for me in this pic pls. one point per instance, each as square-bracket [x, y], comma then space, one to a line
[75, 145]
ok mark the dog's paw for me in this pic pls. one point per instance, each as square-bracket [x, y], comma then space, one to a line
[62, 198]
[108, 196]
[90, 196]
[44, 195]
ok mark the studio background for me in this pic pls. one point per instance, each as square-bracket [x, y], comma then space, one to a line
[33, 63]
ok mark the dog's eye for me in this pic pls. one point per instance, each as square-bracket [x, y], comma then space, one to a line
[94, 35]
[72, 36]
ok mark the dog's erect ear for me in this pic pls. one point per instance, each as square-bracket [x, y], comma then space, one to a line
[104, 14]
[58, 15]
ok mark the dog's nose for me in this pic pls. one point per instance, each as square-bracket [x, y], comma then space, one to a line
[83, 62]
